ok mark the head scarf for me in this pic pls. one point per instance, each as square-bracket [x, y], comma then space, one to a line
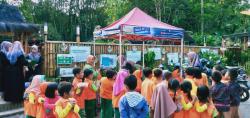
[5, 45]
[15, 52]
[35, 85]
[89, 59]
[162, 104]
[43, 88]
[34, 56]
[194, 59]
[119, 81]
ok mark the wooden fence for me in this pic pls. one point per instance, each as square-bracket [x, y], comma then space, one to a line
[52, 48]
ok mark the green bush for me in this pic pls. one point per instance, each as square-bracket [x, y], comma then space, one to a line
[150, 59]
[213, 58]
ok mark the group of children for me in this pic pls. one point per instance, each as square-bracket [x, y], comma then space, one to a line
[136, 94]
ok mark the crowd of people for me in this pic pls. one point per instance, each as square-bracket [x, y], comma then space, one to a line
[16, 68]
[133, 92]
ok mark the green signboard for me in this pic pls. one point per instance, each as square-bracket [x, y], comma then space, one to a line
[64, 59]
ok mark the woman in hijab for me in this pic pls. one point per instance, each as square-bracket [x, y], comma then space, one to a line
[13, 79]
[194, 60]
[5, 46]
[162, 104]
[35, 62]
[119, 88]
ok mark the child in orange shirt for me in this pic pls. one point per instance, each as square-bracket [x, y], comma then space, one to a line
[204, 106]
[66, 106]
[199, 77]
[157, 76]
[176, 74]
[41, 98]
[173, 86]
[106, 91]
[187, 100]
[31, 94]
[78, 87]
[190, 77]
[90, 94]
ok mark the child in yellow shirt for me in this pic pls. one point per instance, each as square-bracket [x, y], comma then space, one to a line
[66, 106]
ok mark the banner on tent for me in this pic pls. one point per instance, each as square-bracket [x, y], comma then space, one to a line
[167, 33]
[157, 52]
[80, 53]
[128, 29]
[133, 56]
[108, 61]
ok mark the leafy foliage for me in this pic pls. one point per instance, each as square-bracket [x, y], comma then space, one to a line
[150, 59]
[213, 58]
[220, 16]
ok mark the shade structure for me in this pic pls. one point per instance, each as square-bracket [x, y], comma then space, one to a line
[137, 25]
[246, 12]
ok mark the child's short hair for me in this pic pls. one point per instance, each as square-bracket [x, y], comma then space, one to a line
[87, 72]
[186, 87]
[131, 82]
[223, 72]
[50, 90]
[129, 66]
[147, 71]
[218, 68]
[197, 73]
[216, 76]
[190, 71]
[157, 72]
[167, 75]
[233, 73]
[110, 73]
[173, 84]
[64, 87]
[76, 71]
[203, 93]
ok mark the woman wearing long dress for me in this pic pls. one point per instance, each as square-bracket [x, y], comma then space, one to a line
[5, 46]
[14, 74]
[35, 63]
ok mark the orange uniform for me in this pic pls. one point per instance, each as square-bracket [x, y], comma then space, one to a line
[178, 114]
[147, 89]
[138, 75]
[202, 81]
[188, 108]
[40, 105]
[65, 110]
[89, 92]
[106, 88]
[31, 105]
[78, 94]
[205, 110]
[115, 99]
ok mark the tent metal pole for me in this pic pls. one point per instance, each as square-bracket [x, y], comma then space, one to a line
[94, 49]
[143, 58]
[120, 50]
[182, 54]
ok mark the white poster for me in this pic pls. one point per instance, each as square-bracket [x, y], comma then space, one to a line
[157, 52]
[108, 61]
[133, 56]
[204, 50]
[215, 51]
[80, 53]
[173, 58]
[66, 72]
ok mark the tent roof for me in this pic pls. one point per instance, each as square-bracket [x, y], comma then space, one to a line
[11, 20]
[137, 17]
